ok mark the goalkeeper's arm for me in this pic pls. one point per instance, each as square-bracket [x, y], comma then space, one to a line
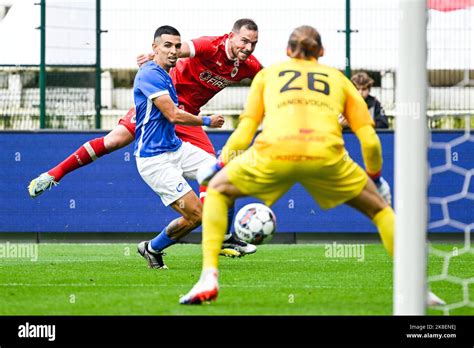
[371, 151]
[239, 140]
[372, 154]
[362, 125]
[250, 118]
[242, 137]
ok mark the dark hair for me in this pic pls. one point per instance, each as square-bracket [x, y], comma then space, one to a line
[166, 29]
[244, 22]
[362, 80]
[305, 42]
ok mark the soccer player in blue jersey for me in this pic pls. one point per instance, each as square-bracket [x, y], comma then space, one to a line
[163, 160]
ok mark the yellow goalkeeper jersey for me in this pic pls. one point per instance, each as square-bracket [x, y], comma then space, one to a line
[299, 102]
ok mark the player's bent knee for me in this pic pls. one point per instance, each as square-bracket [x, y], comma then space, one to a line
[368, 202]
[375, 205]
[215, 184]
[378, 208]
[117, 139]
[227, 189]
[193, 224]
[194, 217]
[115, 143]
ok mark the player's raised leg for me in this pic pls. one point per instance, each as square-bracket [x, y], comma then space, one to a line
[122, 135]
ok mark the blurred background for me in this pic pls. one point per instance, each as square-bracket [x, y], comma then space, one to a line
[71, 64]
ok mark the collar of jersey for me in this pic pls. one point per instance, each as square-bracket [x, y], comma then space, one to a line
[311, 61]
[157, 65]
[227, 52]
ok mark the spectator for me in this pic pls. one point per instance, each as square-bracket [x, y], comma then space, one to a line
[363, 82]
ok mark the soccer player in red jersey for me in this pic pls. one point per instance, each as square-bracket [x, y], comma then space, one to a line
[206, 66]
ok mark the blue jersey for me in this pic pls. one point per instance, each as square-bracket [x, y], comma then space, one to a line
[154, 133]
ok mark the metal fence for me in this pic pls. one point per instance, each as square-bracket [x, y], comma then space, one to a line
[90, 48]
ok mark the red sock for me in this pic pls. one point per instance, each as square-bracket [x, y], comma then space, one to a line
[87, 153]
[202, 193]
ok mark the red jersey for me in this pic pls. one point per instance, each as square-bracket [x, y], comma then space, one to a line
[208, 70]
[200, 77]
[205, 73]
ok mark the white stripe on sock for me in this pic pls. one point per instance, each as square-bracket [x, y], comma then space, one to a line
[90, 151]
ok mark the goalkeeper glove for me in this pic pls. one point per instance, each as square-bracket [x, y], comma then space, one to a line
[384, 189]
[207, 172]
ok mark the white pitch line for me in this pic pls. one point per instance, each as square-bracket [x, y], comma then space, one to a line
[166, 285]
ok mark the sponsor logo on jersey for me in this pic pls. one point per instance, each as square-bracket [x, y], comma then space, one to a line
[133, 119]
[180, 187]
[215, 80]
[295, 158]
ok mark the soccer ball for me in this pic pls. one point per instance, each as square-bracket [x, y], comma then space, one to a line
[255, 223]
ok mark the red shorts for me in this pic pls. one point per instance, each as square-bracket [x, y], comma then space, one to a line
[191, 134]
[129, 121]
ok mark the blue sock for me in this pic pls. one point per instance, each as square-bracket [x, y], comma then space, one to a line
[230, 218]
[161, 241]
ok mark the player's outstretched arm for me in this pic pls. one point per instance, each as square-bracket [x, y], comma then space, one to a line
[185, 51]
[362, 125]
[178, 116]
[243, 135]
[143, 58]
[372, 154]
[250, 119]
[239, 141]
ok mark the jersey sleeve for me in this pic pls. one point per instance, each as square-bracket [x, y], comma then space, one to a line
[254, 107]
[239, 140]
[355, 110]
[371, 150]
[201, 47]
[152, 84]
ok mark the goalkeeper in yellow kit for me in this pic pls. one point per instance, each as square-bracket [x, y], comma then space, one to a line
[299, 102]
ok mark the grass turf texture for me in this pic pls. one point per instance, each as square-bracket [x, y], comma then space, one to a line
[112, 279]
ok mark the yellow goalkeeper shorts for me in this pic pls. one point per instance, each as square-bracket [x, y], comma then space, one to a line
[268, 179]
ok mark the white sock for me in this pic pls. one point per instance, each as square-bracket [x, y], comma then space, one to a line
[209, 271]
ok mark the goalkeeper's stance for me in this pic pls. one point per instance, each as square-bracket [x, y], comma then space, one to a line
[299, 102]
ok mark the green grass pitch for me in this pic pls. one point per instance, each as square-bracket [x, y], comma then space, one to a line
[112, 279]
